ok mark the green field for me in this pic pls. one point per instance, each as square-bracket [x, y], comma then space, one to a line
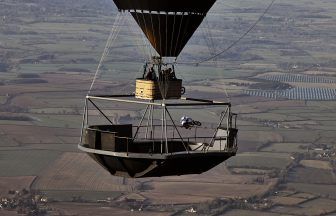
[26, 162]
[57, 120]
[308, 175]
[3, 99]
[286, 147]
[7, 141]
[318, 189]
[257, 160]
[70, 196]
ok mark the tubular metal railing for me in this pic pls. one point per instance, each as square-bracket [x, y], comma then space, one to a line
[169, 131]
[202, 141]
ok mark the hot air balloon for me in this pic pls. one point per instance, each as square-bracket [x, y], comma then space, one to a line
[168, 24]
[161, 143]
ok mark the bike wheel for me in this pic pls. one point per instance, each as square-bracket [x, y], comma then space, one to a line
[197, 123]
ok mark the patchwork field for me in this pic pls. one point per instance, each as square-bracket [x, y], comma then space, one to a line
[78, 172]
[96, 209]
[25, 162]
[280, 79]
[324, 190]
[286, 147]
[14, 183]
[325, 206]
[257, 160]
[184, 192]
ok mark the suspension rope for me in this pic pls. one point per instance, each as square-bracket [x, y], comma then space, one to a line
[137, 40]
[148, 46]
[185, 32]
[172, 38]
[241, 37]
[161, 82]
[209, 40]
[179, 32]
[135, 76]
[108, 44]
[118, 28]
[143, 35]
[160, 41]
[212, 50]
[150, 14]
[166, 33]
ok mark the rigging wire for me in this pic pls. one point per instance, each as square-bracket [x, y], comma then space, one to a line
[212, 50]
[160, 39]
[138, 41]
[209, 40]
[172, 36]
[241, 37]
[147, 45]
[143, 34]
[179, 32]
[166, 32]
[184, 34]
[116, 33]
[113, 34]
[151, 19]
[126, 85]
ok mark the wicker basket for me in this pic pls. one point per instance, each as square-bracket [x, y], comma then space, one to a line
[149, 89]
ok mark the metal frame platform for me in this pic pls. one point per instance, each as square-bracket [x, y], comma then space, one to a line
[165, 151]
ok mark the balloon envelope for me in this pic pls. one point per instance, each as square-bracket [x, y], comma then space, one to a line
[168, 24]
